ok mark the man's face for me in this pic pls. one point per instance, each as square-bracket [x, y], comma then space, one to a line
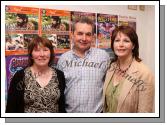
[54, 23]
[20, 21]
[82, 36]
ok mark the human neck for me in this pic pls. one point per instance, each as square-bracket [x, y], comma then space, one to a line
[38, 69]
[125, 63]
[79, 53]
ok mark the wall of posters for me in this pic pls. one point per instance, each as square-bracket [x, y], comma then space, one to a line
[24, 23]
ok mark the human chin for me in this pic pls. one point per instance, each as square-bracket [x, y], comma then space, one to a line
[84, 47]
[120, 53]
[42, 62]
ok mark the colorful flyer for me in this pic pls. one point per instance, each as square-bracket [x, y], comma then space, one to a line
[21, 19]
[105, 25]
[17, 44]
[13, 64]
[56, 27]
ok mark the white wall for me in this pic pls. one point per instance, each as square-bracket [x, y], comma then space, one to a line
[145, 24]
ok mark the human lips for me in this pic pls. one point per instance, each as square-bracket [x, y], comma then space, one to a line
[42, 59]
[121, 50]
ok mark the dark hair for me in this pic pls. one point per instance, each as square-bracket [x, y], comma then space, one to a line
[131, 33]
[57, 19]
[38, 41]
[23, 17]
[83, 20]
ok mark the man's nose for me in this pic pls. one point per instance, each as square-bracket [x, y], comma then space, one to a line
[84, 37]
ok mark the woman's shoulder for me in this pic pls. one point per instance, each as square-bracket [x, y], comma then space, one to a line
[20, 72]
[143, 68]
[18, 77]
[59, 72]
[113, 64]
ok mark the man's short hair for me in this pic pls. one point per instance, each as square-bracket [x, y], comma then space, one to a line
[23, 17]
[83, 20]
[57, 19]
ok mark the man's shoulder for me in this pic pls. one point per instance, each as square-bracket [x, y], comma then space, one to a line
[66, 54]
[99, 51]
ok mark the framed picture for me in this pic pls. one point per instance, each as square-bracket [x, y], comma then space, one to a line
[132, 7]
[142, 7]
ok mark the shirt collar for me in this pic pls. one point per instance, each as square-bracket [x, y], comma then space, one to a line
[88, 52]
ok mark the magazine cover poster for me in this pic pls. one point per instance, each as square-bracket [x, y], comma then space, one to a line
[127, 21]
[17, 44]
[18, 41]
[105, 25]
[55, 20]
[13, 64]
[56, 27]
[21, 19]
[92, 16]
[58, 40]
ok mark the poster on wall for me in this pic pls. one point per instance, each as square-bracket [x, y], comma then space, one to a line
[56, 27]
[13, 64]
[127, 21]
[21, 19]
[92, 16]
[105, 25]
[132, 22]
[17, 44]
[21, 25]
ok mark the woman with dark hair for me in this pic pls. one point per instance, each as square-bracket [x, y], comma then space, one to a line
[129, 84]
[37, 88]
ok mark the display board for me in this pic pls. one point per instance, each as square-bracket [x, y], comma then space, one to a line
[24, 23]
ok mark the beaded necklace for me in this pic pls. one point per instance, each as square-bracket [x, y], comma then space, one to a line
[124, 71]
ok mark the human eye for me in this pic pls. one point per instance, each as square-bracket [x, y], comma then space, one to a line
[89, 34]
[46, 49]
[127, 40]
[80, 33]
[116, 40]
